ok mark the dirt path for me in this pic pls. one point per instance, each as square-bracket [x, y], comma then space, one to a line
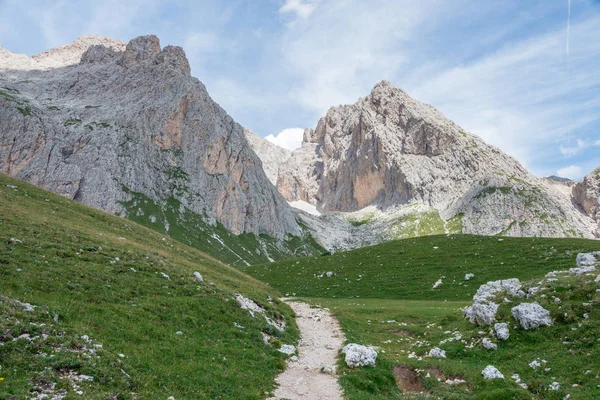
[320, 341]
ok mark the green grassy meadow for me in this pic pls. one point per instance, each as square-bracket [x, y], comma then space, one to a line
[100, 280]
[383, 297]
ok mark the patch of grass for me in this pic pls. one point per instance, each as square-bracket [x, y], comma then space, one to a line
[72, 121]
[407, 269]
[25, 111]
[383, 296]
[171, 218]
[491, 190]
[93, 274]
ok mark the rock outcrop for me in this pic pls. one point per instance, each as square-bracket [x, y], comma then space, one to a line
[388, 150]
[101, 122]
[271, 155]
[586, 194]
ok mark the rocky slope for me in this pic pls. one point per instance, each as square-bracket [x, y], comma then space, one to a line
[586, 194]
[389, 150]
[128, 130]
[271, 155]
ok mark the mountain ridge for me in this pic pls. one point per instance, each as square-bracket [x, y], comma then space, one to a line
[389, 150]
[132, 132]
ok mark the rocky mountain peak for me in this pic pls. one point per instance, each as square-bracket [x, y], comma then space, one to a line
[388, 150]
[57, 57]
[586, 194]
[118, 125]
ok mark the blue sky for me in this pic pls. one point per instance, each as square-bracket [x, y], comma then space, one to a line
[514, 72]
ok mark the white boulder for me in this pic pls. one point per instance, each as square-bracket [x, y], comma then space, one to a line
[488, 344]
[491, 372]
[198, 276]
[287, 349]
[482, 313]
[588, 258]
[582, 270]
[436, 352]
[531, 315]
[359, 356]
[502, 332]
[437, 284]
[469, 276]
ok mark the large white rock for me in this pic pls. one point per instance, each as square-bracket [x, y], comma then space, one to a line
[531, 315]
[491, 372]
[582, 270]
[358, 355]
[502, 332]
[587, 259]
[483, 311]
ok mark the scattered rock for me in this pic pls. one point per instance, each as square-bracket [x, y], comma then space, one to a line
[488, 344]
[165, 276]
[359, 356]
[502, 331]
[287, 349]
[483, 311]
[437, 284]
[469, 276]
[198, 276]
[491, 372]
[436, 352]
[582, 270]
[531, 315]
[585, 259]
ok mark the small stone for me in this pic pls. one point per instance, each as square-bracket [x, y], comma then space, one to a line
[491, 372]
[488, 344]
[198, 276]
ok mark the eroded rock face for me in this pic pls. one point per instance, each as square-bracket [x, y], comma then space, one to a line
[389, 150]
[271, 155]
[131, 119]
[587, 195]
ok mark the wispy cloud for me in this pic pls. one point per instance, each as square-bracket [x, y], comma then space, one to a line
[299, 8]
[571, 172]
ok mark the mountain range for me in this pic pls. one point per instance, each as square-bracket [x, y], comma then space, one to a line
[126, 129]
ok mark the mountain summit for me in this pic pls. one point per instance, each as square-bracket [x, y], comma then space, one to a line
[128, 130]
[389, 150]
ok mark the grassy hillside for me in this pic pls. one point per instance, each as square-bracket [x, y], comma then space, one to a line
[171, 218]
[118, 302]
[383, 296]
[407, 269]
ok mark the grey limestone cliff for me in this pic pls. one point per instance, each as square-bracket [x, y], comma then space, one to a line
[101, 122]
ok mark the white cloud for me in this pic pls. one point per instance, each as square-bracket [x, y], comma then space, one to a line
[597, 143]
[346, 47]
[290, 138]
[298, 7]
[571, 172]
[573, 150]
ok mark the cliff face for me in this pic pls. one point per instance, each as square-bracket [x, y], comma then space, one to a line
[128, 120]
[389, 150]
[586, 194]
